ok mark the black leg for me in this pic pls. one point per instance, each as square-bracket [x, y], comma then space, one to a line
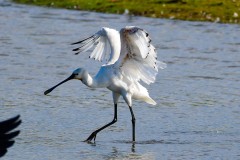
[133, 124]
[94, 134]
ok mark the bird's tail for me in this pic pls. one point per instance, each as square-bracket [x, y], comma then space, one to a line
[149, 100]
[141, 93]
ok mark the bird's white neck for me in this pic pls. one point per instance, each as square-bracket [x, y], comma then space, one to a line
[98, 81]
[88, 80]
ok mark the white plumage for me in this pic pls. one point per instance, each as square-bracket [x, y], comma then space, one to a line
[131, 58]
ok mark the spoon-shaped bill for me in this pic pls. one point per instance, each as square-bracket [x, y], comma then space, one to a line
[51, 89]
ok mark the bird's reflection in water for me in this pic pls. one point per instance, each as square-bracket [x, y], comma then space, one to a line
[133, 147]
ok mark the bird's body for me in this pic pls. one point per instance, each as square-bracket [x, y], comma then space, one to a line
[109, 77]
[132, 58]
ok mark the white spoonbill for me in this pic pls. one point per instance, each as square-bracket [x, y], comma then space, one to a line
[132, 58]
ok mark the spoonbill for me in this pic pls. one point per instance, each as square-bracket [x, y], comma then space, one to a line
[132, 58]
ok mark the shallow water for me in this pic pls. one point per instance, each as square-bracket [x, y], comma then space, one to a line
[197, 116]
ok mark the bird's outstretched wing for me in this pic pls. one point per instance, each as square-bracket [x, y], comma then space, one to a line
[138, 59]
[6, 133]
[106, 43]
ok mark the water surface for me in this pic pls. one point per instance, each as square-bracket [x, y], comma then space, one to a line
[197, 115]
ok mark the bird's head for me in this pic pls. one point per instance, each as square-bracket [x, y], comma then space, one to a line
[77, 74]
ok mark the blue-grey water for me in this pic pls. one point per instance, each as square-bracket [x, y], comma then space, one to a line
[198, 94]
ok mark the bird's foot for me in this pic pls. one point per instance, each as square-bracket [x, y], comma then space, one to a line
[91, 137]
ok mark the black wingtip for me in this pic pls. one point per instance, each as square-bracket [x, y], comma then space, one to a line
[147, 34]
[75, 49]
[76, 42]
[82, 40]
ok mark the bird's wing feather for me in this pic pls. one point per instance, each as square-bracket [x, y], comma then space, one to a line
[106, 43]
[138, 59]
[7, 134]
